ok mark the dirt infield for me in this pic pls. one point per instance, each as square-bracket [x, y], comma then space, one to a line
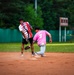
[52, 64]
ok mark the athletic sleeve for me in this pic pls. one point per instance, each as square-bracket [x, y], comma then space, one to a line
[20, 28]
[47, 33]
[35, 37]
[29, 25]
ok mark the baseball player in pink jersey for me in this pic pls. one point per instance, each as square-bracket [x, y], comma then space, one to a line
[40, 37]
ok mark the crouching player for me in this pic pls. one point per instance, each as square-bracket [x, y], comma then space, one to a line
[40, 37]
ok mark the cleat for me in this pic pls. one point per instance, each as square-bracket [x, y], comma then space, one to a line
[22, 55]
[37, 56]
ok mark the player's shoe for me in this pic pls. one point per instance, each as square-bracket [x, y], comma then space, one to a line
[42, 55]
[37, 56]
[22, 55]
[33, 54]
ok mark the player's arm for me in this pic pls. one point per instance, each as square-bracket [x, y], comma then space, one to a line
[30, 26]
[21, 30]
[49, 35]
[35, 38]
[23, 34]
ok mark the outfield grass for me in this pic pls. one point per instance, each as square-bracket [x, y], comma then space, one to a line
[54, 47]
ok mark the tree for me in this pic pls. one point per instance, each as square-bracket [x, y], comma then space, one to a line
[29, 15]
[48, 13]
[14, 9]
[54, 9]
[10, 12]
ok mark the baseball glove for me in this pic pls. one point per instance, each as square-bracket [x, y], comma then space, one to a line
[27, 47]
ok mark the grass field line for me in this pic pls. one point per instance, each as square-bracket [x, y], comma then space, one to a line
[56, 44]
[61, 44]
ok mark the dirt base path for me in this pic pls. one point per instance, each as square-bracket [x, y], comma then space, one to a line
[52, 64]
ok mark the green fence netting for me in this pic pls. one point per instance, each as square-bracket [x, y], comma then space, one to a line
[14, 35]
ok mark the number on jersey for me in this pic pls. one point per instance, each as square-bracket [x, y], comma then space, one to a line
[40, 36]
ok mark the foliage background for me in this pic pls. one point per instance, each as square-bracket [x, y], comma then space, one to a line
[48, 13]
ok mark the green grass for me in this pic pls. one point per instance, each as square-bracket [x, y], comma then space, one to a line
[65, 48]
[54, 47]
[10, 47]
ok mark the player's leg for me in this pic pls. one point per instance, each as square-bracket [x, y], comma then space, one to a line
[22, 49]
[31, 45]
[23, 43]
[42, 50]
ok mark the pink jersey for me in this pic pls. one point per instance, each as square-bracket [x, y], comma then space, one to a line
[40, 37]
